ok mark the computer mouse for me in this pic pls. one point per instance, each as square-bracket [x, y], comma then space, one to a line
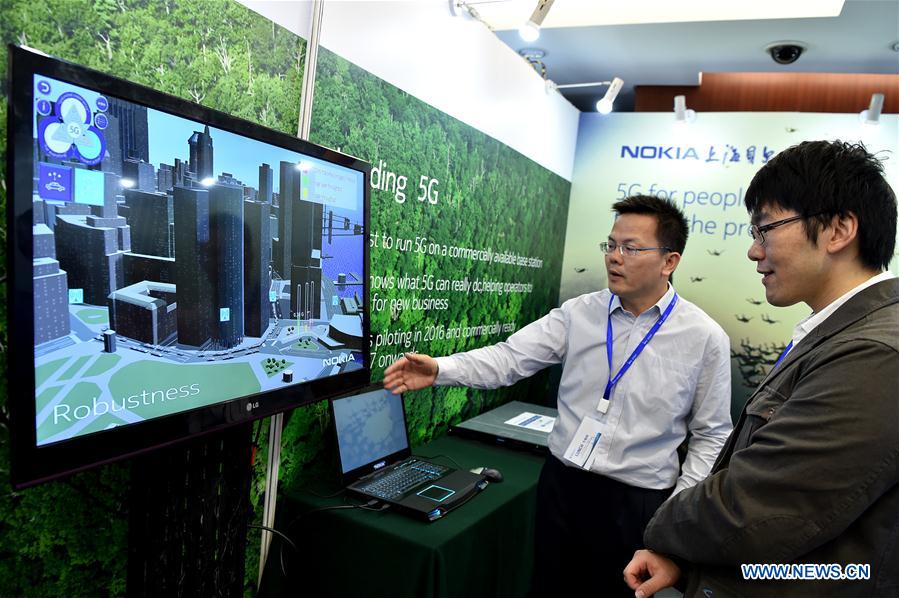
[492, 474]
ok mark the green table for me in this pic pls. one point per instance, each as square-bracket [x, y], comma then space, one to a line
[483, 548]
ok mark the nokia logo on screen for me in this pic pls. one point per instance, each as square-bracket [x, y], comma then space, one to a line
[338, 359]
[658, 152]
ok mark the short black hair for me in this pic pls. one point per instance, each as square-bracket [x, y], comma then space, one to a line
[831, 178]
[671, 224]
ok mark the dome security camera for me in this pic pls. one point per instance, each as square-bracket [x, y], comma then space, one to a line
[785, 52]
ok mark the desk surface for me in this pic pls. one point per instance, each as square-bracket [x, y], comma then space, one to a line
[483, 548]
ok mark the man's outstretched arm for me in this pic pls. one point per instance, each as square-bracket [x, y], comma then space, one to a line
[412, 371]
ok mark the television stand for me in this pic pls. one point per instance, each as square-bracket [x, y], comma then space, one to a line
[189, 516]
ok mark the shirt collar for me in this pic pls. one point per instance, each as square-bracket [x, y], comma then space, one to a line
[812, 321]
[660, 305]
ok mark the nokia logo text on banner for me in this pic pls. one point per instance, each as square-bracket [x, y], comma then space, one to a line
[659, 152]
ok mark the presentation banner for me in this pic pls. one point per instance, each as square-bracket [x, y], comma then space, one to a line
[704, 167]
[467, 235]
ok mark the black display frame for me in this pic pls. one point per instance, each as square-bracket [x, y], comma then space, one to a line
[33, 464]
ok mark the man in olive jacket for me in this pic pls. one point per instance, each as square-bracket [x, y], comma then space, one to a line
[810, 474]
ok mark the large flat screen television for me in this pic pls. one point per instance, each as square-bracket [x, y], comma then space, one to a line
[173, 270]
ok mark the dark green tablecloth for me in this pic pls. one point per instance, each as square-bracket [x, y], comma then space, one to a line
[483, 548]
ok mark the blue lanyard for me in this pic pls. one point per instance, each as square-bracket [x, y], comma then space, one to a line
[630, 360]
[782, 356]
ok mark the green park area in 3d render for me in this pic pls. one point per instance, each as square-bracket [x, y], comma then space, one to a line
[272, 366]
[93, 317]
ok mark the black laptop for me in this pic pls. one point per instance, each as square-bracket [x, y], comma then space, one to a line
[376, 462]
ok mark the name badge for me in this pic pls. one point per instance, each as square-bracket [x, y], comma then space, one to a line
[583, 444]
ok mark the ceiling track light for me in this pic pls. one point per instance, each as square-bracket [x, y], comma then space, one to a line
[603, 106]
[461, 8]
[530, 31]
[871, 116]
[682, 114]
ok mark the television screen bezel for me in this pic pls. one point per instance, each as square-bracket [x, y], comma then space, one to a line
[33, 464]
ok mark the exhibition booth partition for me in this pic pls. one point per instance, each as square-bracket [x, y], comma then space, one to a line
[395, 227]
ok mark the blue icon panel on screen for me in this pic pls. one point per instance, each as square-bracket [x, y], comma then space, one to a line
[89, 187]
[68, 132]
[54, 182]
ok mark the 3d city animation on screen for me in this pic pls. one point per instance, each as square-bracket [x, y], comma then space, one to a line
[178, 266]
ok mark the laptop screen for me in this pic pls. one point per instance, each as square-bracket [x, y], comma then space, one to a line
[370, 427]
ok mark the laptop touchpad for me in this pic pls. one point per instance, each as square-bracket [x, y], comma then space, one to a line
[436, 493]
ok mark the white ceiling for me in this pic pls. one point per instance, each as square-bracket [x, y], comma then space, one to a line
[858, 40]
[510, 14]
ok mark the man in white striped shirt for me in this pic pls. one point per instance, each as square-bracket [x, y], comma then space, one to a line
[642, 367]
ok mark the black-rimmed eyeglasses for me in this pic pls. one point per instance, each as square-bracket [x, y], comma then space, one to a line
[608, 248]
[758, 232]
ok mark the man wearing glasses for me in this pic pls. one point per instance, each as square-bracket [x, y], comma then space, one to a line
[810, 475]
[642, 367]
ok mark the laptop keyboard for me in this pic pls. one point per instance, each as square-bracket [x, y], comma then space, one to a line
[403, 478]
